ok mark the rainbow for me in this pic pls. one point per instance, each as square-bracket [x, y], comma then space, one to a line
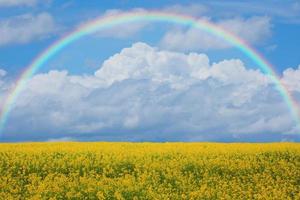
[144, 16]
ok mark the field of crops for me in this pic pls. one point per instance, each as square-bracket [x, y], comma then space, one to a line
[149, 171]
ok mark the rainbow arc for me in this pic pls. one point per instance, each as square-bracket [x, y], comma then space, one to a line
[145, 16]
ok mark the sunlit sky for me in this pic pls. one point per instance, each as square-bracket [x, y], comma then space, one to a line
[153, 81]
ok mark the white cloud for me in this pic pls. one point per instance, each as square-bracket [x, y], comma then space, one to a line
[2, 72]
[2, 75]
[260, 28]
[26, 28]
[147, 93]
[174, 39]
[63, 139]
[142, 61]
[278, 10]
[195, 10]
[3, 86]
[274, 124]
[10, 3]
[291, 79]
[195, 39]
[179, 70]
[123, 30]
[130, 29]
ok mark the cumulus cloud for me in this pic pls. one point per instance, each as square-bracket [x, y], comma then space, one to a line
[195, 39]
[145, 93]
[26, 28]
[10, 3]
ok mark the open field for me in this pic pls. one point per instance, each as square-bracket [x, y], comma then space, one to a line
[149, 171]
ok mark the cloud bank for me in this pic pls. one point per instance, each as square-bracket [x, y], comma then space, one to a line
[145, 93]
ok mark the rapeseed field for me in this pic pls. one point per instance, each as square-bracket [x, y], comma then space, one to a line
[103, 170]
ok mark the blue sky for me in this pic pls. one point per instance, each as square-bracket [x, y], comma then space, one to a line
[153, 81]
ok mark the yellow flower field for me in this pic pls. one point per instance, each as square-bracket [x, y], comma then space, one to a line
[149, 171]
